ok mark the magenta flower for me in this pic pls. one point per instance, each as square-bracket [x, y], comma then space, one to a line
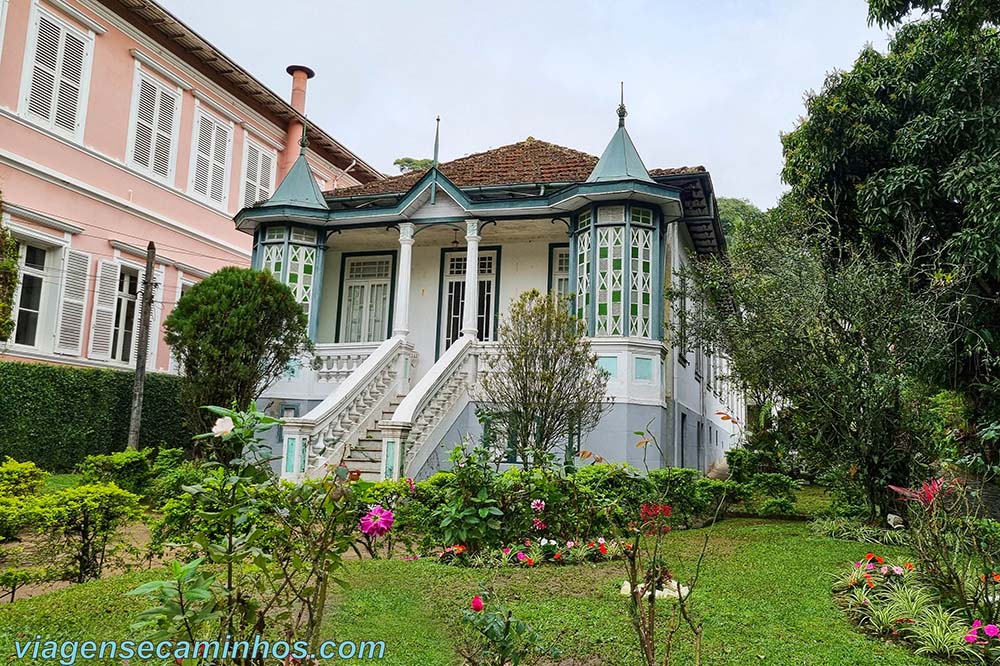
[971, 637]
[506, 551]
[538, 505]
[538, 525]
[477, 604]
[376, 522]
[991, 630]
[521, 557]
[413, 486]
[976, 624]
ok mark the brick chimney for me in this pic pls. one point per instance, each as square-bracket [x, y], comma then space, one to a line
[300, 77]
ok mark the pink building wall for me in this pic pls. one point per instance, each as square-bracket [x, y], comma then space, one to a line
[83, 195]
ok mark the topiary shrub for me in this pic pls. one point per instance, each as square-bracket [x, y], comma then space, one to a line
[129, 470]
[21, 479]
[37, 424]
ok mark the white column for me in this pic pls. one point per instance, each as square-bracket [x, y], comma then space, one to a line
[401, 322]
[472, 238]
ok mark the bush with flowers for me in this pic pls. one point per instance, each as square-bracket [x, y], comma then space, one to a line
[498, 638]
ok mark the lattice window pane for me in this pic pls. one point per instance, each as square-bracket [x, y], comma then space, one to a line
[640, 281]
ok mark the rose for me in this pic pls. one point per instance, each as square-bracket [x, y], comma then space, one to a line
[477, 604]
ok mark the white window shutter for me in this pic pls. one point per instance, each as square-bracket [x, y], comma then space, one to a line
[145, 123]
[155, 120]
[73, 303]
[44, 72]
[103, 322]
[154, 318]
[203, 155]
[252, 170]
[59, 68]
[74, 59]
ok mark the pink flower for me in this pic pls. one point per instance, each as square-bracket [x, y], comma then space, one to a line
[477, 604]
[413, 486]
[976, 624]
[506, 551]
[223, 426]
[926, 494]
[898, 571]
[377, 521]
[600, 540]
[869, 566]
[570, 544]
[884, 570]
[521, 557]
[538, 505]
[538, 525]
[971, 637]
[991, 630]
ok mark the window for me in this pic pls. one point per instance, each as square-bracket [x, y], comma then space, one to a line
[365, 309]
[126, 305]
[583, 269]
[210, 156]
[559, 271]
[682, 321]
[610, 251]
[54, 89]
[29, 299]
[301, 269]
[293, 262]
[155, 122]
[258, 174]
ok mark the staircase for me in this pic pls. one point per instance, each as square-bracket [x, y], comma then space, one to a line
[365, 455]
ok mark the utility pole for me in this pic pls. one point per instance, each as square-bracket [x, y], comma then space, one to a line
[140, 355]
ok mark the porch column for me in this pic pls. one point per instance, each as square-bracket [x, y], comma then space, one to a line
[401, 322]
[472, 238]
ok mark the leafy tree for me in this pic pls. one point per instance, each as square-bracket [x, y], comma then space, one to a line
[735, 212]
[543, 386]
[407, 164]
[8, 282]
[839, 340]
[234, 333]
[909, 138]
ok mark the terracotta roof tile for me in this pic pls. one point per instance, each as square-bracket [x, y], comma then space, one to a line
[529, 161]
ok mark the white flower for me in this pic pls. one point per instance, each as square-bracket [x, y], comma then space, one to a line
[223, 426]
[600, 540]
[570, 544]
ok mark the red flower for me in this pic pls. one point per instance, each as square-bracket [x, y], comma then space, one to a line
[557, 556]
[477, 604]
[926, 494]
[869, 556]
[530, 562]
[908, 565]
[604, 549]
[879, 559]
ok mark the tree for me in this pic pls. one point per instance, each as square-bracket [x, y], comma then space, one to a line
[909, 138]
[842, 341]
[735, 212]
[8, 282]
[407, 164]
[543, 386]
[234, 333]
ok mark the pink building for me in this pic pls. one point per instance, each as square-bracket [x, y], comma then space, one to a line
[120, 125]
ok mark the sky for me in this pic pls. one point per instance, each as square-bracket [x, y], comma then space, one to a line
[713, 83]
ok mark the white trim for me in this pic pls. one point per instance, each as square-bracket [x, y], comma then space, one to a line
[3, 24]
[33, 168]
[140, 252]
[20, 351]
[217, 107]
[144, 59]
[252, 129]
[77, 16]
[27, 71]
[28, 233]
[40, 218]
[176, 96]
[191, 270]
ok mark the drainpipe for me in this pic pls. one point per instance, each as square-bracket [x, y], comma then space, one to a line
[300, 76]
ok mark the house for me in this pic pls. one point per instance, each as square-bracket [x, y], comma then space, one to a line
[120, 125]
[405, 279]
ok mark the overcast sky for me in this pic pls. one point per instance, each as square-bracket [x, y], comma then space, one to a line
[711, 82]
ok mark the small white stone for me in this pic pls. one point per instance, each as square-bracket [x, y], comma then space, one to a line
[895, 522]
[671, 591]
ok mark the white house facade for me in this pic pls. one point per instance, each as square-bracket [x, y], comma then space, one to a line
[406, 279]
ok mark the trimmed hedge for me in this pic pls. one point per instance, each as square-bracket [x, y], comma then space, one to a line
[57, 415]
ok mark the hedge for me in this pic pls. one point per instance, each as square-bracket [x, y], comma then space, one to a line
[58, 415]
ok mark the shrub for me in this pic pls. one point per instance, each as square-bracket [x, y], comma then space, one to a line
[771, 494]
[128, 469]
[20, 479]
[81, 523]
[617, 487]
[15, 515]
[856, 530]
[170, 474]
[38, 425]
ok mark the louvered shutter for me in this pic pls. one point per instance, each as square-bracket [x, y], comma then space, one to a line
[259, 174]
[73, 303]
[211, 158]
[154, 319]
[103, 322]
[155, 118]
[58, 72]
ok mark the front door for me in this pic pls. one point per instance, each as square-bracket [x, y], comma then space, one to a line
[453, 297]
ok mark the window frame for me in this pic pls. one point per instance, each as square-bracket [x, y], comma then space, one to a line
[346, 281]
[56, 249]
[555, 249]
[177, 93]
[116, 340]
[43, 301]
[88, 37]
[200, 112]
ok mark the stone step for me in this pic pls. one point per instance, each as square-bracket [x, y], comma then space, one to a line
[373, 444]
[372, 466]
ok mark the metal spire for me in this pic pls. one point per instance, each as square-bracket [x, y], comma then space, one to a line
[304, 141]
[437, 139]
[621, 108]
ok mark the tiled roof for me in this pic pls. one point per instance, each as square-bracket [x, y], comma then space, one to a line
[526, 162]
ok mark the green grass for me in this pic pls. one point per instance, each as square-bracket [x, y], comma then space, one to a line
[764, 597]
[56, 482]
[812, 500]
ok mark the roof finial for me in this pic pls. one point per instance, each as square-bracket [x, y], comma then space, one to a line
[621, 108]
[437, 139]
[304, 141]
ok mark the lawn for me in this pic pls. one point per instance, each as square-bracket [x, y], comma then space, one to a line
[56, 482]
[764, 595]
